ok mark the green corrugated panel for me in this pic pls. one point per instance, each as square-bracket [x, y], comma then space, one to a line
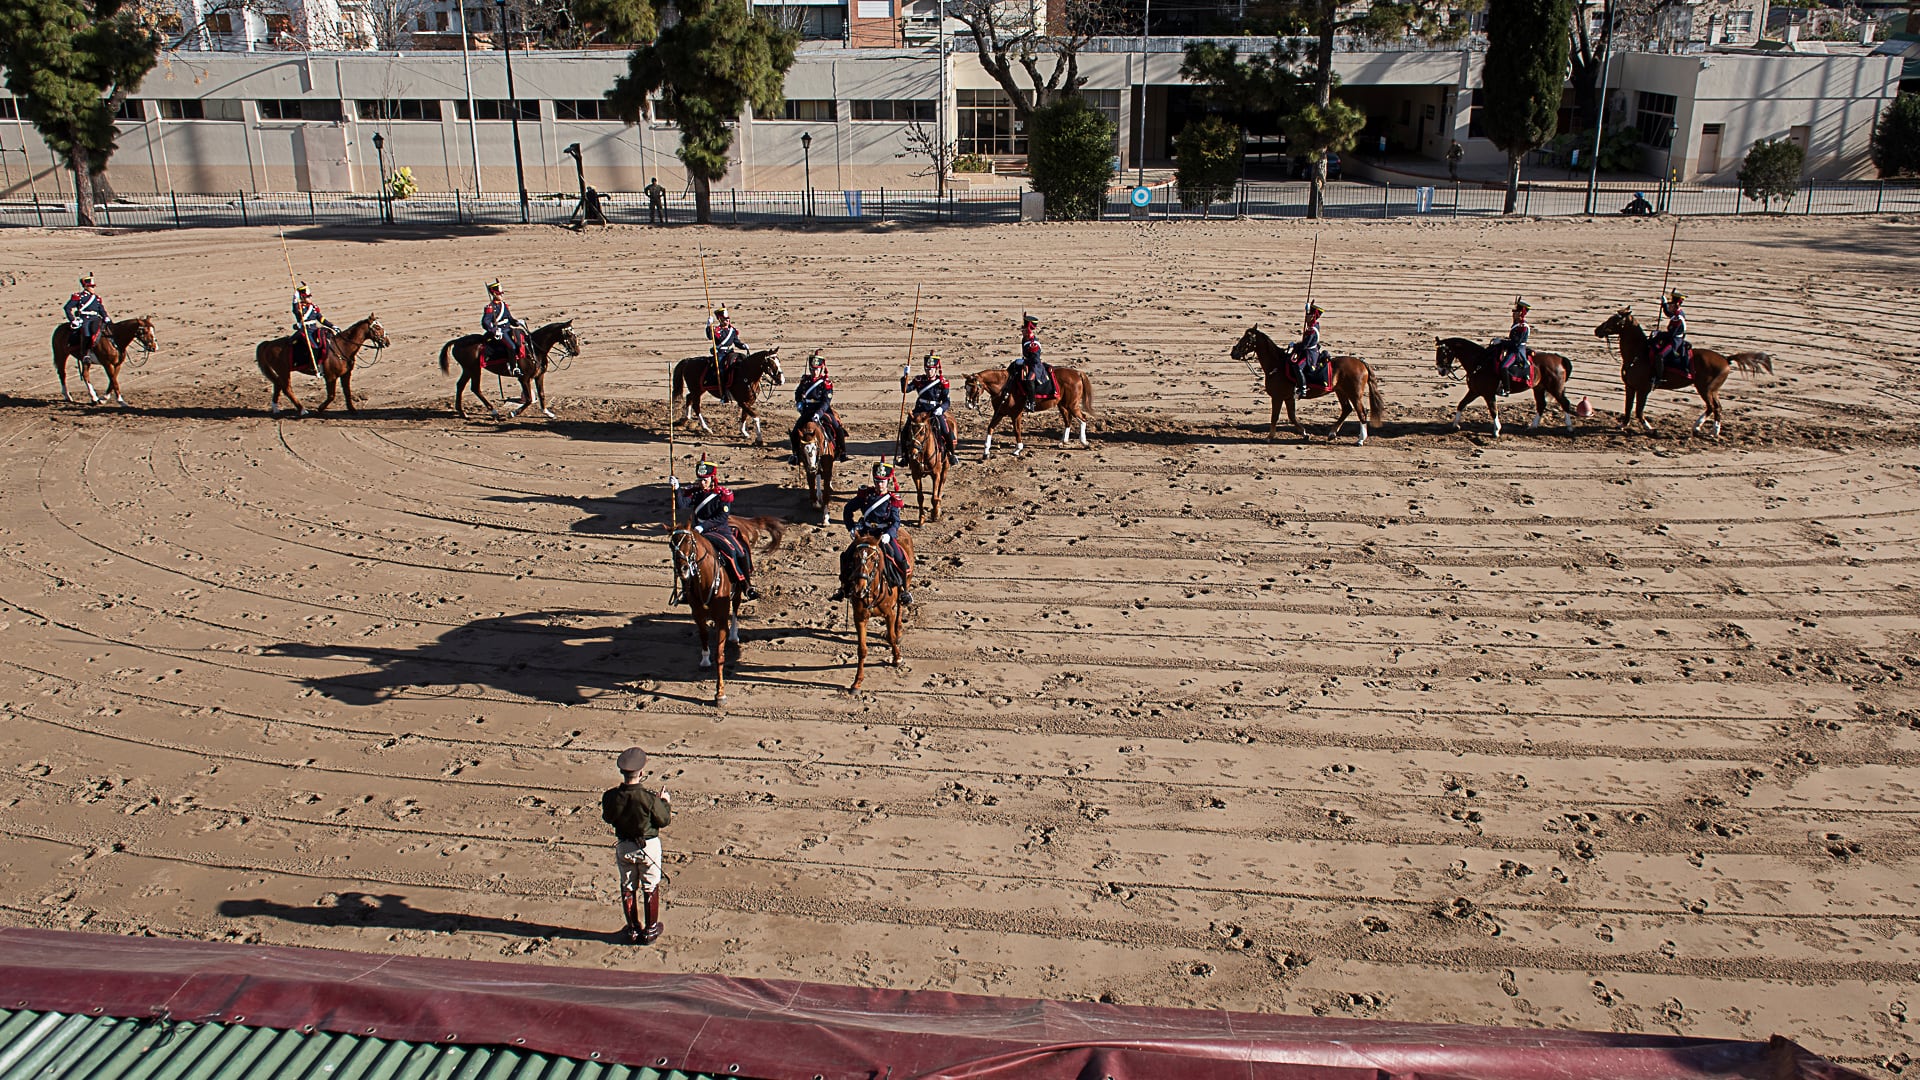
[60, 1046]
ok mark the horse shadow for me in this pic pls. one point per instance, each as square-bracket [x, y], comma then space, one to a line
[391, 911]
[542, 655]
[641, 511]
[400, 232]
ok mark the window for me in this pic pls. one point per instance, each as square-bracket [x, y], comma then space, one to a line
[181, 108]
[402, 109]
[814, 109]
[497, 109]
[9, 109]
[1476, 113]
[1654, 118]
[221, 22]
[296, 109]
[1739, 25]
[129, 112]
[987, 125]
[584, 109]
[279, 26]
[893, 110]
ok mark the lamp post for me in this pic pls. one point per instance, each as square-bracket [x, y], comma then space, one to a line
[1600, 122]
[1140, 152]
[386, 190]
[806, 156]
[513, 103]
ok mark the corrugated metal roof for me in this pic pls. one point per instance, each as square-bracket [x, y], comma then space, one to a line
[62, 1046]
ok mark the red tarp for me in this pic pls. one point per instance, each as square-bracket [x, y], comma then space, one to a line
[780, 1030]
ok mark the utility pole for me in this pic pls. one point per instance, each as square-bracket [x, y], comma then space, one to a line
[1600, 122]
[1140, 151]
[473, 124]
[513, 103]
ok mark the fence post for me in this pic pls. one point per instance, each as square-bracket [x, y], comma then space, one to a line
[107, 208]
[883, 204]
[1526, 208]
[1880, 198]
[174, 197]
[39, 218]
[1808, 209]
[1386, 197]
[313, 217]
[733, 194]
[458, 218]
[243, 207]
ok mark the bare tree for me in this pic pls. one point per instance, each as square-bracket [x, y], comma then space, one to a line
[923, 142]
[391, 23]
[1014, 36]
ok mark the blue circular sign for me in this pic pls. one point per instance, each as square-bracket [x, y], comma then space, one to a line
[1142, 196]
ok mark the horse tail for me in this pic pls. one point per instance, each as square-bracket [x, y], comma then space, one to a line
[446, 353]
[775, 529]
[1376, 401]
[1752, 362]
[260, 354]
[679, 381]
[1086, 395]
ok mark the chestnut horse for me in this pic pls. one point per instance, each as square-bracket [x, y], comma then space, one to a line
[1641, 373]
[708, 589]
[1481, 367]
[109, 349]
[470, 351]
[1353, 382]
[816, 460]
[1009, 394]
[277, 357]
[920, 449]
[691, 381]
[873, 595]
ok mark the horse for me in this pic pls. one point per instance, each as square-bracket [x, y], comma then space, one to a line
[920, 449]
[816, 459]
[744, 378]
[709, 591]
[1641, 374]
[1009, 394]
[470, 351]
[1481, 369]
[109, 349]
[276, 358]
[872, 594]
[1353, 381]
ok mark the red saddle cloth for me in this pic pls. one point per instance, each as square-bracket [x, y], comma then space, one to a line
[1522, 376]
[303, 357]
[504, 361]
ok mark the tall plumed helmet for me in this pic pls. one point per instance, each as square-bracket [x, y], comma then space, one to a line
[882, 470]
[494, 286]
[1027, 320]
[705, 469]
[302, 290]
[1677, 298]
[719, 313]
[1521, 305]
[1315, 309]
[86, 279]
[932, 362]
[632, 760]
[816, 361]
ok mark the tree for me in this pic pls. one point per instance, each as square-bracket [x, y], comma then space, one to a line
[1278, 91]
[1772, 171]
[1070, 158]
[1526, 66]
[1313, 120]
[717, 58]
[71, 62]
[1209, 154]
[924, 142]
[1896, 138]
[1009, 35]
[1633, 24]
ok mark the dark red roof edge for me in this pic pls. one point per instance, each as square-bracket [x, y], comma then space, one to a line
[780, 1030]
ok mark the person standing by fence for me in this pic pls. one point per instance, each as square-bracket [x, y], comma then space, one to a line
[656, 202]
[637, 816]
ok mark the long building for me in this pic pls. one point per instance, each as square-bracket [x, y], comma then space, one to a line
[272, 121]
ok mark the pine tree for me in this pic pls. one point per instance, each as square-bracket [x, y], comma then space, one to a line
[1896, 139]
[70, 62]
[1526, 68]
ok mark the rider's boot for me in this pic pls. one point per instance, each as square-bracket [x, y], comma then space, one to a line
[748, 591]
[651, 932]
[630, 904]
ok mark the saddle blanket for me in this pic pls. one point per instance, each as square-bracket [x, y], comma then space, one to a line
[1521, 374]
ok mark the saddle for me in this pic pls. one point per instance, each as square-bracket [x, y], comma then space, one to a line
[1519, 374]
[729, 550]
[301, 359]
[505, 357]
[1316, 376]
[1040, 387]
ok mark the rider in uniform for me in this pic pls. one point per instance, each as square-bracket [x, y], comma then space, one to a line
[504, 332]
[874, 510]
[1306, 351]
[727, 347]
[709, 512]
[311, 326]
[1028, 367]
[1513, 348]
[814, 398]
[934, 399]
[86, 316]
[1670, 345]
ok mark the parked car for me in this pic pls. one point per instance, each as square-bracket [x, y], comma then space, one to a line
[1301, 166]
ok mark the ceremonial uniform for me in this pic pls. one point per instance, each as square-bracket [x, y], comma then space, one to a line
[933, 397]
[874, 510]
[1511, 351]
[1671, 344]
[310, 326]
[1306, 351]
[710, 513]
[86, 315]
[637, 816]
[506, 335]
[813, 399]
[727, 348]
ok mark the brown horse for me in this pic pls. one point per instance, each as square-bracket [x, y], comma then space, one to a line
[816, 460]
[1481, 368]
[1009, 395]
[1641, 374]
[873, 594]
[470, 351]
[1353, 382]
[709, 591]
[693, 379]
[277, 358]
[109, 349]
[920, 449]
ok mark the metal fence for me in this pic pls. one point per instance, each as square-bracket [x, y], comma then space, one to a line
[1346, 199]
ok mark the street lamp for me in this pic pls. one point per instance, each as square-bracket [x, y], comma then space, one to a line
[513, 104]
[386, 190]
[1140, 178]
[806, 156]
[1600, 122]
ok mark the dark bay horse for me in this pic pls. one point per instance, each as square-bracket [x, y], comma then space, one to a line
[1353, 383]
[280, 357]
[816, 460]
[109, 350]
[1641, 373]
[693, 378]
[1009, 396]
[873, 595]
[1481, 366]
[709, 591]
[920, 449]
[469, 351]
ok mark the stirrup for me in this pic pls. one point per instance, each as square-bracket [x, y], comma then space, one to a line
[906, 597]
[752, 593]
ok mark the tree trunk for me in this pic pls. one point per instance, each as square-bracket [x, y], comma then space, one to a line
[1323, 96]
[702, 198]
[80, 164]
[1513, 180]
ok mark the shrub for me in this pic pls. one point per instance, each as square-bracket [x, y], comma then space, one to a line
[1896, 138]
[401, 184]
[1070, 158]
[1209, 155]
[1772, 171]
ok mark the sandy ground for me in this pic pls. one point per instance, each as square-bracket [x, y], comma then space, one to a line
[1600, 730]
